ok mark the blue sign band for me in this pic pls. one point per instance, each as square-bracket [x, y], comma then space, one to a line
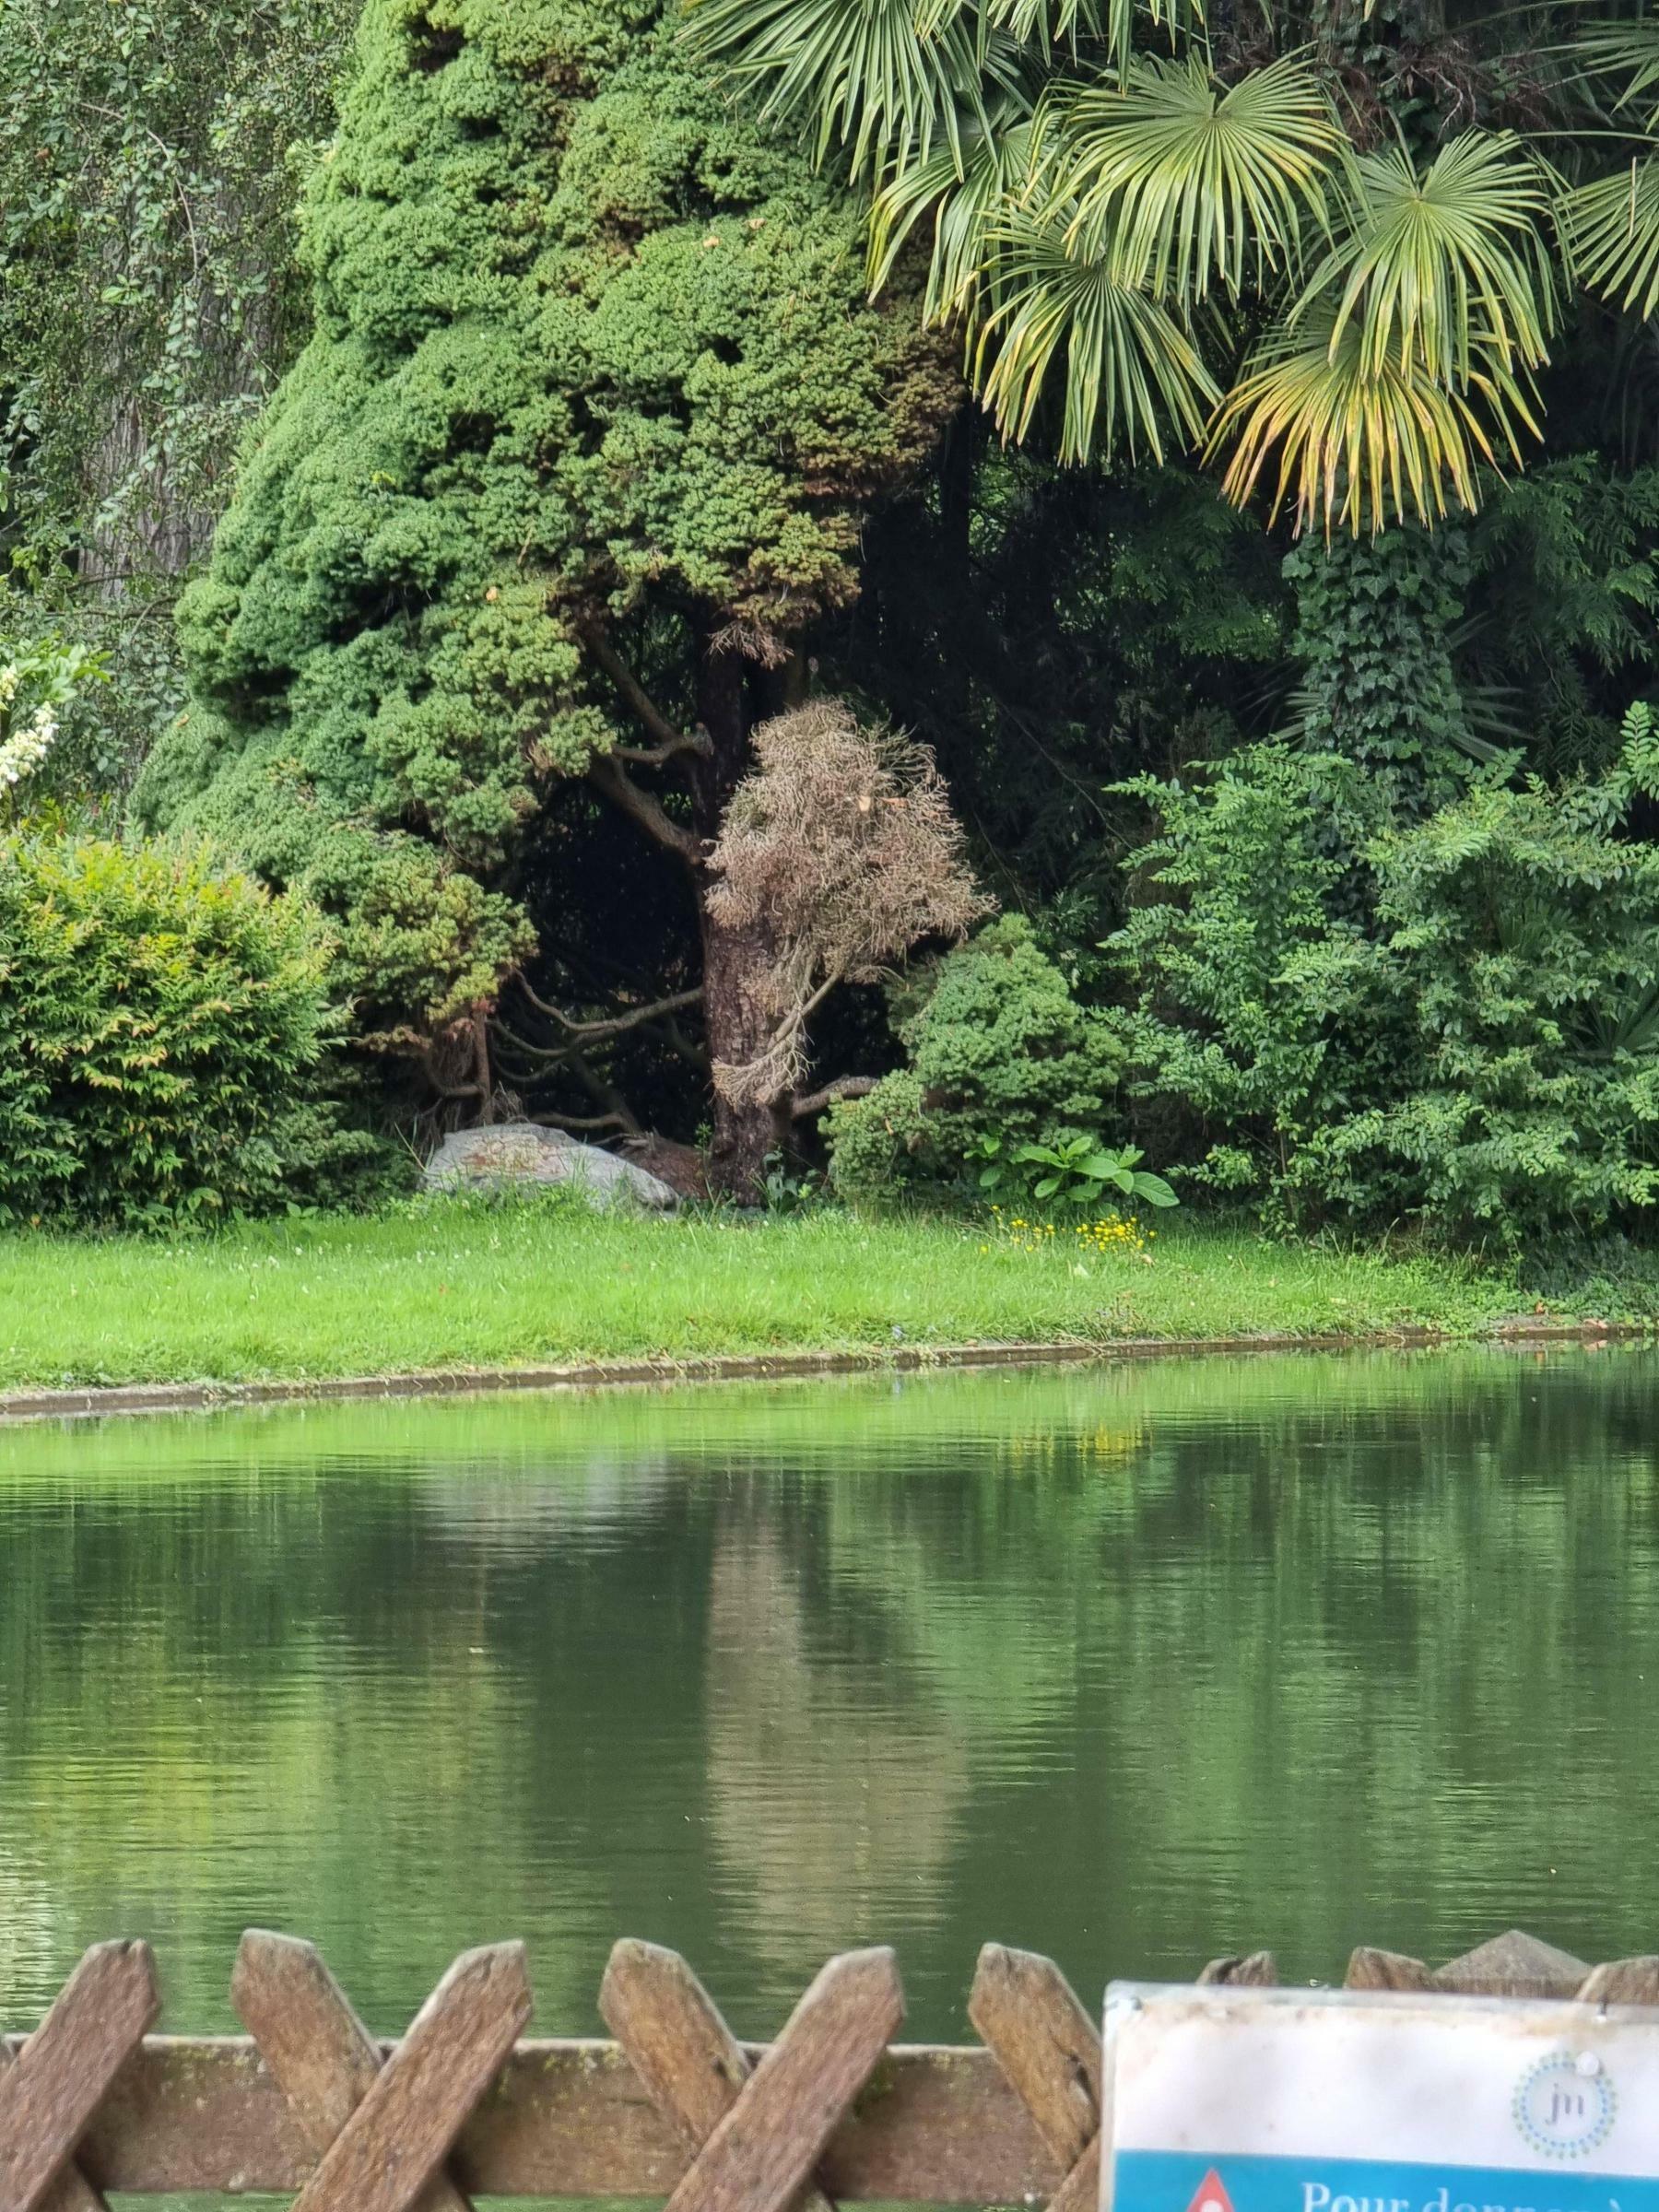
[1170, 2181]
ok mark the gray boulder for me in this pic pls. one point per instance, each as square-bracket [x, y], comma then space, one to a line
[519, 1153]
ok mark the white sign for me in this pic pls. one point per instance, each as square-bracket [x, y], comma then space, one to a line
[1280, 2101]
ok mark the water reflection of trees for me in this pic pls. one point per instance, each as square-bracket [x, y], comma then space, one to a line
[836, 1784]
[1128, 1664]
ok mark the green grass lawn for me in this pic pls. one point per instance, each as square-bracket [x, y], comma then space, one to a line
[445, 1285]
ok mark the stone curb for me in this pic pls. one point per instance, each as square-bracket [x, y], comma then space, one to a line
[94, 1402]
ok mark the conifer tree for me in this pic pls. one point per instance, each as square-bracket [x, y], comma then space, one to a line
[578, 454]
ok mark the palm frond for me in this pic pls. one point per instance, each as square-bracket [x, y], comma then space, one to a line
[1614, 223]
[1361, 439]
[1109, 25]
[882, 80]
[968, 193]
[1194, 179]
[1626, 50]
[1130, 371]
[1429, 267]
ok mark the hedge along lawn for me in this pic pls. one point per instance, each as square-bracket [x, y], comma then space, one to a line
[445, 1284]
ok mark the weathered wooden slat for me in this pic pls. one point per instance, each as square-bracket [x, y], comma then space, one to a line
[63, 2072]
[1371, 1968]
[398, 2139]
[691, 2063]
[769, 2143]
[578, 2119]
[677, 2043]
[1622, 1982]
[1256, 1969]
[1080, 2190]
[324, 2060]
[1514, 1965]
[71, 2191]
[569, 2117]
[1044, 2042]
[1049, 2048]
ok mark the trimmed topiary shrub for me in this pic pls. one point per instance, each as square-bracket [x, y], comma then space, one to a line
[162, 1024]
[997, 1047]
[582, 446]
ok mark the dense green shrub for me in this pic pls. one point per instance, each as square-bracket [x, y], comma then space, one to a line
[1517, 955]
[595, 385]
[1239, 905]
[1478, 1052]
[997, 1046]
[161, 1025]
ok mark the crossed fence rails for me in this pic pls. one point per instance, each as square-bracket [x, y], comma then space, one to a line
[311, 2105]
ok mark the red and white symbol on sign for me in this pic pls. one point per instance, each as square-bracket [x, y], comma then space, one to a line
[1212, 2195]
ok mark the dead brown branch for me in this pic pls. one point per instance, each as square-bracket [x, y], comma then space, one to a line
[613, 1025]
[843, 844]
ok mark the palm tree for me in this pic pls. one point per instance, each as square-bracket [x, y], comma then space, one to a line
[1155, 231]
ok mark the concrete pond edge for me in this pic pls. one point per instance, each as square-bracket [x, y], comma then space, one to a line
[97, 1401]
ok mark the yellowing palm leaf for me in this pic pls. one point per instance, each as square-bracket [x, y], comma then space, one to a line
[967, 193]
[1359, 439]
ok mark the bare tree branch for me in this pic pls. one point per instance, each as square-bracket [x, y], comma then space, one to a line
[608, 776]
[613, 1025]
[844, 1087]
[590, 1121]
[669, 741]
[656, 756]
[694, 1055]
[607, 1096]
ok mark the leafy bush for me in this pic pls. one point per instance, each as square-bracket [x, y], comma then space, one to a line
[1478, 1050]
[161, 1025]
[997, 1046]
[1235, 909]
[37, 679]
[1518, 956]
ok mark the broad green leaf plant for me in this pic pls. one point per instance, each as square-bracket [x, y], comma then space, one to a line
[1160, 234]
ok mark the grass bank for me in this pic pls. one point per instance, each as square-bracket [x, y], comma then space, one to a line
[449, 1284]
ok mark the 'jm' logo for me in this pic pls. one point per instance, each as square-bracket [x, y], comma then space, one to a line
[1565, 2105]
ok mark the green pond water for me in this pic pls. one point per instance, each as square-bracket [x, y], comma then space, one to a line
[1130, 1665]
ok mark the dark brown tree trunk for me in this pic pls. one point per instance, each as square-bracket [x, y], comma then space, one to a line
[735, 694]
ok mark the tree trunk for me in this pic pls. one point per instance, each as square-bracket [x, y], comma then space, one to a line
[744, 1134]
[733, 695]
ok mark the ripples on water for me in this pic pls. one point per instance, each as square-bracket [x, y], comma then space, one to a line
[1132, 1666]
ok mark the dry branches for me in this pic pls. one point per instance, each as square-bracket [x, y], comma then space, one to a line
[841, 847]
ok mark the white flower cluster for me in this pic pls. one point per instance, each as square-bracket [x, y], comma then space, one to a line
[23, 751]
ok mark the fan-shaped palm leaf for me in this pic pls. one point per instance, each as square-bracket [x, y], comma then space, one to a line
[1430, 267]
[884, 78]
[1107, 24]
[1130, 371]
[1626, 50]
[1358, 438]
[1615, 231]
[968, 197]
[1196, 179]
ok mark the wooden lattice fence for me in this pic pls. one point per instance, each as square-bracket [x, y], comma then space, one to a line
[309, 2105]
